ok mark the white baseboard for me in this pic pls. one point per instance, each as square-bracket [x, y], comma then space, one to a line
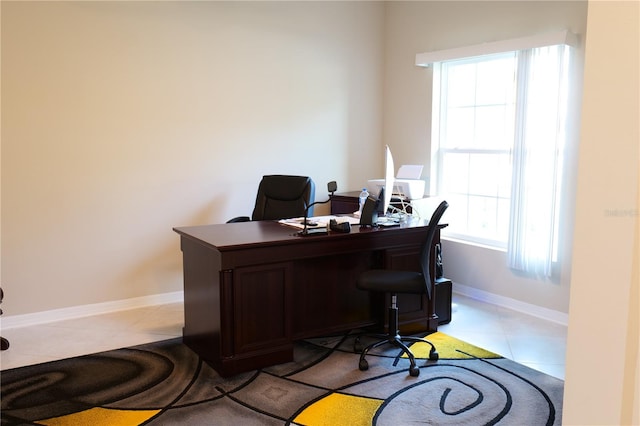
[14, 321]
[515, 305]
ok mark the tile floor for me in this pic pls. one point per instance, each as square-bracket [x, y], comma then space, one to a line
[528, 340]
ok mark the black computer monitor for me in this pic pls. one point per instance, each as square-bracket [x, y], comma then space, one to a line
[380, 203]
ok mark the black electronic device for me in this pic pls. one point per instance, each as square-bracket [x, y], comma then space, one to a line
[372, 209]
[369, 213]
[331, 188]
[344, 227]
[381, 203]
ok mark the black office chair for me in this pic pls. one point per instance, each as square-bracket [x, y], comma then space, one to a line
[281, 197]
[394, 282]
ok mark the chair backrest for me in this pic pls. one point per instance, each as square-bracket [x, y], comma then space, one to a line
[425, 255]
[283, 197]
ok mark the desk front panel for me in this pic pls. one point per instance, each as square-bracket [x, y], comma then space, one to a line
[246, 303]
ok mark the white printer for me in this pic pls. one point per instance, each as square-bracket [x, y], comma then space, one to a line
[407, 184]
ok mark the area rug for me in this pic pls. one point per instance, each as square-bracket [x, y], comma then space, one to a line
[165, 383]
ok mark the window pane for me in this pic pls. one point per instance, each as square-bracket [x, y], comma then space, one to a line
[494, 127]
[496, 81]
[502, 227]
[483, 217]
[486, 174]
[457, 135]
[457, 214]
[455, 173]
[461, 82]
[504, 180]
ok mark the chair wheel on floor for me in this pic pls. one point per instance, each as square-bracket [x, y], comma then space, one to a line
[433, 355]
[414, 371]
[363, 365]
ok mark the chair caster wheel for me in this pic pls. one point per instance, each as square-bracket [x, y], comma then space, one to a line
[364, 365]
[414, 371]
[434, 356]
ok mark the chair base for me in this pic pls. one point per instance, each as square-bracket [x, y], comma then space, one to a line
[397, 341]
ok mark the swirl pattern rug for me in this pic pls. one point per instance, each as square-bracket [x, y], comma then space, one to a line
[165, 383]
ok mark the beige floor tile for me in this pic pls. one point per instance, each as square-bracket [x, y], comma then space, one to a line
[532, 341]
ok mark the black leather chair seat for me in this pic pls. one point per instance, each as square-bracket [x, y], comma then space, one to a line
[390, 281]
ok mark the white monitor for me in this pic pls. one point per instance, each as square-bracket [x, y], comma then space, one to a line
[389, 172]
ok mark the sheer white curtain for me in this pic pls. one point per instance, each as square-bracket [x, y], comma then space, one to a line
[537, 159]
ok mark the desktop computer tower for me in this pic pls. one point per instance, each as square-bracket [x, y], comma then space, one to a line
[443, 300]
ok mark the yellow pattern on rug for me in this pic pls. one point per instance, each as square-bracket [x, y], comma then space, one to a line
[102, 417]
[450, 348]
[339, 409]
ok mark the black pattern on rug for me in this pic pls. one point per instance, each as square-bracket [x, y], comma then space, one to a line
[165, 383]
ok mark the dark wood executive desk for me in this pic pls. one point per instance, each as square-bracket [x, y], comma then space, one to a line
[252, 288]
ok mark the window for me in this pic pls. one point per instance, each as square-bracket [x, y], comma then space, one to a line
[497, 143]
[476, 125]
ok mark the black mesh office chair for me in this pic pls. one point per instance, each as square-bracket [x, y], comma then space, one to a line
[281, 197]
[394, 282]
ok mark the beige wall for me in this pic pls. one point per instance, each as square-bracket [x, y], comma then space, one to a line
[602, 348]
[121, 120]
[416, 27]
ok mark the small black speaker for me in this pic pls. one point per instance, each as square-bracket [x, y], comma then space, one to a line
[369, 214]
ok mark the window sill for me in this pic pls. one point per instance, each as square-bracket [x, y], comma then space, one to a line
[473, 243]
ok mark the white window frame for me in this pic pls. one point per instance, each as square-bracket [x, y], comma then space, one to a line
[438, 152]
[520, 257]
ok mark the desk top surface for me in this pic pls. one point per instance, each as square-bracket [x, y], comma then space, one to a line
[227, 236]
